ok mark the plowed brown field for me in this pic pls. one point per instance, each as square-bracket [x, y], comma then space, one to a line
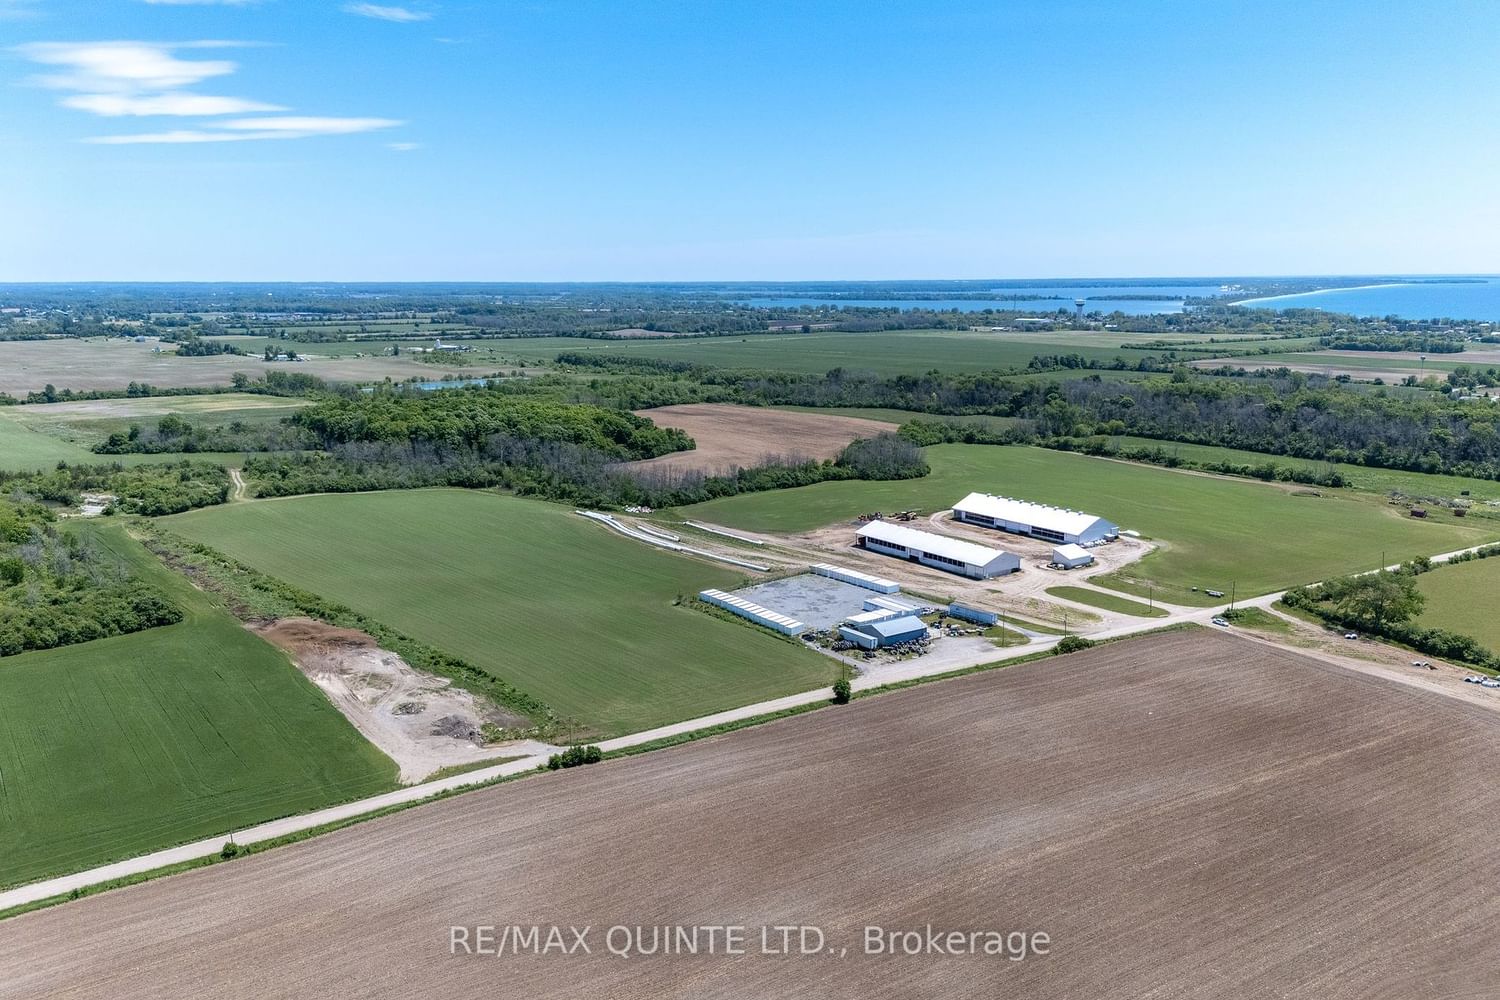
[733, 437]
[1189, 815]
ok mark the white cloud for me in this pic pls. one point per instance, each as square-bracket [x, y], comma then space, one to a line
[176, 103]
[122, 67]
[120, 79]
[404, 15]
[252, 129]
[403, 147]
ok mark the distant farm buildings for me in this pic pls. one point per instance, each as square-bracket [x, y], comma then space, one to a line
[1021, 517]
[938, 551]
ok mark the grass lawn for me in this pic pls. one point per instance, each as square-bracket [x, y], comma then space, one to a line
[1217, 532]
[122, 746]
[1108, 602]
[1461, 597]
[1359, 476]
[885, 352]
[561, 607]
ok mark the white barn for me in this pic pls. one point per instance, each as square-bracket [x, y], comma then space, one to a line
[1071, 556]
[1021, 517]
[938, 551]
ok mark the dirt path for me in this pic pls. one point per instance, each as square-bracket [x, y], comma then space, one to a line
[239, 485]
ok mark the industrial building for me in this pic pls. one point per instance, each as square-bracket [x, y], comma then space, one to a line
[858, 579]
[884, 632]
[1071, 556]
[938, 551]
[784, 624]
[1021, 517]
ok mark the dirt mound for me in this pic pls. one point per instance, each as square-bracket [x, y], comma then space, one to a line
[731, 437]
[389, 701]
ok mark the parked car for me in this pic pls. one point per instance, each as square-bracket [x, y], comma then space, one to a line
[1489, 682]
[1351, 635]
[1471, 679]
[1221, 622]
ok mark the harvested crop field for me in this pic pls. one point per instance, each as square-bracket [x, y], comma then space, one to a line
[1188, 816]
[83, 365]
[735, 437]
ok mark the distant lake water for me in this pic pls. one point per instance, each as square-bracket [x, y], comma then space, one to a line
[1428, 300]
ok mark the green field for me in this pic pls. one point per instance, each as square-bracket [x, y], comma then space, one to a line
[565, 609]
[1358, 476]
[114, 748]
[1107, 602]
[1461, 597]
[885, 353]
[1219, 533]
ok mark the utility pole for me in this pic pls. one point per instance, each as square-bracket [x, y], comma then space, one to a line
[1231, 595]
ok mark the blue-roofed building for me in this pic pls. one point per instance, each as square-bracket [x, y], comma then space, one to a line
[875, 634]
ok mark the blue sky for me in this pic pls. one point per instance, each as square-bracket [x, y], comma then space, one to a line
[579, 140]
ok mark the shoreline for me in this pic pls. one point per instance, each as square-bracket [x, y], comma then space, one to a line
[1323, 291]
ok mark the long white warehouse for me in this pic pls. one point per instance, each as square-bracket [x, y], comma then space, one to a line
[1021, 517]
[749, 609]
[938, 551]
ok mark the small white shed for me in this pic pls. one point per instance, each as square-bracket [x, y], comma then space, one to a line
[1071, 556]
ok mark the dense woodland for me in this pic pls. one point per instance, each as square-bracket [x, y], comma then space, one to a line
[59, 587]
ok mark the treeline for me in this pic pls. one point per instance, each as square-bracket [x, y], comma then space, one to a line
[152, 490]
[60, 588]
[558, 470]
[1346, 341]
[466, 419]
[197, 347]
[175, 434]
[1385, 603]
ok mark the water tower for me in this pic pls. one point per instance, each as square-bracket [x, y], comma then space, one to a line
[1079, 304]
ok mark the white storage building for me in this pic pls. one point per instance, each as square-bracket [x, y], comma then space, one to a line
[1071, 556]
[938, 551]
[1021, 517]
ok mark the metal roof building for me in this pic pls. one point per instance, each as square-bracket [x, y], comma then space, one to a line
[1071, 556]
[873, 635]
[1021, 517]
[938, 551]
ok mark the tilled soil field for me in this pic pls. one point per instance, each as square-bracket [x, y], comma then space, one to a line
[1190, 815]
[733, 437]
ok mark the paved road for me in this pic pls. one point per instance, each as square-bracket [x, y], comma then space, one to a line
[895, 673]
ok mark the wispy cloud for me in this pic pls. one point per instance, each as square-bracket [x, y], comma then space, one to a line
[403, 15]
[15, 10]
[403, 147]
[122, 67]
[252, 129]
[176, 103]
[118, 79]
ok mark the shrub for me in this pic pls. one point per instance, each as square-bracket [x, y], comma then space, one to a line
[1072, 644]
[574, 757]
[841, 691]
